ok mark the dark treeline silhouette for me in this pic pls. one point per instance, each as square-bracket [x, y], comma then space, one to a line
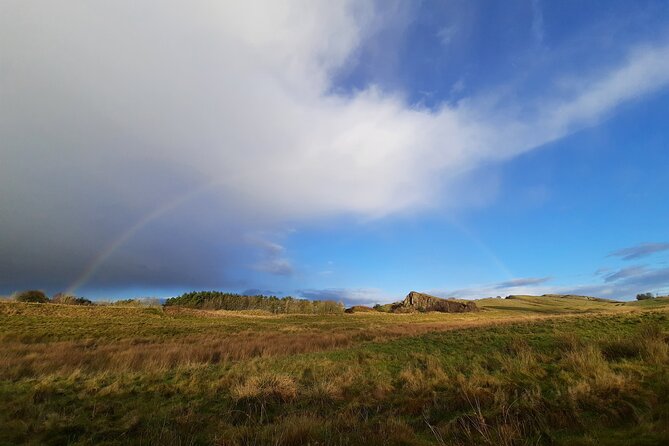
[217, 300]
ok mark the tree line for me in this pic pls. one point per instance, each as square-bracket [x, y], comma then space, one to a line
[206, 300]
[217, 300]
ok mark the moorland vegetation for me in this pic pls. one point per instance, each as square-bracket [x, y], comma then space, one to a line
[527, 370]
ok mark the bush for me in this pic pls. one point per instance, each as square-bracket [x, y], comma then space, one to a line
[644, 296]
[69, 299]
[35, 296]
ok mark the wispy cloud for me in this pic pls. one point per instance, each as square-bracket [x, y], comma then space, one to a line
[603, 271]
[622, 284]
[458, 87]
[639, 251]
[625, 273]
[627, 283]
[273, 258]
[522, 285]
[514, 283]
[446, 34]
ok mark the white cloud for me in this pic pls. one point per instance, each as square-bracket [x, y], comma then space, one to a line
[458, 87]
[109, 110]
[644, 70]
[272, 257]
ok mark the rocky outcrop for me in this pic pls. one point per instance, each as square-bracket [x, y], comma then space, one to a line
[424, 302]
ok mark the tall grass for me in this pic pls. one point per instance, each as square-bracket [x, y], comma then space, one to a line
[144, 376]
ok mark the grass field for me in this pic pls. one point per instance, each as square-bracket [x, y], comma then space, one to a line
[528, 370]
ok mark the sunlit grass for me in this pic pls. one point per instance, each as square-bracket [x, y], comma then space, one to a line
[511, 375]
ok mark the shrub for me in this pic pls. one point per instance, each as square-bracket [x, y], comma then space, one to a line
[35, 296]
[69, 299]
[386, 308]
[644, 296]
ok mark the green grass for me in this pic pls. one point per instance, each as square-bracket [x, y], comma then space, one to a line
[530, 370]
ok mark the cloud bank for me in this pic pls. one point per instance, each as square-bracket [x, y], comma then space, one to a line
[148, 139]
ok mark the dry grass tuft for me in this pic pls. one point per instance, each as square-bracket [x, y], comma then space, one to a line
[424, 376]
[266, 387]
[656, 351]
[586, 361]
[619, 348]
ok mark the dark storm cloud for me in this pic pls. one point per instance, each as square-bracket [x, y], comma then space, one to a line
[126, 159]
[639, 251]
[177, 251]
[141, 144]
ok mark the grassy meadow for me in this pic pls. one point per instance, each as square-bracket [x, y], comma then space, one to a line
[528, 370]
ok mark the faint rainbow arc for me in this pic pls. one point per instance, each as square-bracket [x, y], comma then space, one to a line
[103, 255]
[99, 260]
[483, 247]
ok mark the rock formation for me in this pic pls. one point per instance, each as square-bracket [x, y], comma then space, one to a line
[424, 302]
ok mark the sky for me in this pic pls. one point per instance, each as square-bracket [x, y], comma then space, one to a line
[349, 150]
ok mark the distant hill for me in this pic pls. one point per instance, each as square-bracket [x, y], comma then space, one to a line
[551, 304]
[415, 301]
[573, 296]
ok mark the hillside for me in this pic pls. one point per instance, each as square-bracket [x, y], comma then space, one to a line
[533, 369]
[551, 304]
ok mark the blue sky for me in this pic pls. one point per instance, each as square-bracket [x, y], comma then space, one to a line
[354, 151]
